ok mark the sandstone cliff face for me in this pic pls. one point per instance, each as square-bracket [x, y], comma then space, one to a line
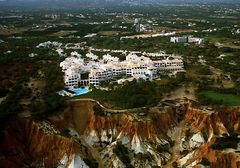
[215, 124]
[141, 135]
[226, 160]
[154, 125]
[144, 136]
[152, 137]
[25, 143]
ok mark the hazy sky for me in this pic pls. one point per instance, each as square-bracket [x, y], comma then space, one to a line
[96, 3]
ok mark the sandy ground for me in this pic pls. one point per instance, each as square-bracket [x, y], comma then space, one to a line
[227, 83]
[109, 33]
[221, 45]
[179, 134]
[181, 93]
[2, 99]
[63, 33]
[75, 116]
[11, 31]
[80, 111]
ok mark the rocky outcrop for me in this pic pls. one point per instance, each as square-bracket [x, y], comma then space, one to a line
[25, 143]
[156, 136]
[214, 124]
[226, 160]
[145, 134]
[155, 125]
[204, 121]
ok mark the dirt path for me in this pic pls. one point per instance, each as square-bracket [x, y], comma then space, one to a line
[181, 92]
[108, 109]
[227, 83]
[96, 155]
[221, 45]
[176, 148]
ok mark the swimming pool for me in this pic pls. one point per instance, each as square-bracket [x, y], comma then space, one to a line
[81, 91]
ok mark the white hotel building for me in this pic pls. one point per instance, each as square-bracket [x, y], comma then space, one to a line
[168, 65]
[78, 73]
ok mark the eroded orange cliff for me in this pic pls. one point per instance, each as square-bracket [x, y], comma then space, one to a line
[24, 143]
[215, 124]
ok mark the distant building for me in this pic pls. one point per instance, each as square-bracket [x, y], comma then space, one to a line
[195, 40]
[49, 44]
[187, 39]
[183, 39]
[139, 27]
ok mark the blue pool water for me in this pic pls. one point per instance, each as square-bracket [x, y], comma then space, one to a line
[81, 91]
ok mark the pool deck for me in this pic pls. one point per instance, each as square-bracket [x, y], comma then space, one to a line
[76, 92]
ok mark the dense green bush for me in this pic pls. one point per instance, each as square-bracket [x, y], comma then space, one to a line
[98, 110]
[11, 106]
[131, 95]
[50, 102]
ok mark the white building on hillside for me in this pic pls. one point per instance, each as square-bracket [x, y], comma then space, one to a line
[49, 44]
[78, 73]
[196, 40]
[183, 39]
[109, 58]
[187, 39]
[71, 67]
[92, 56]
[170, 65]
[76, 54]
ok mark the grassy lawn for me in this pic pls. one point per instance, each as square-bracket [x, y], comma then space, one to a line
[219, 98]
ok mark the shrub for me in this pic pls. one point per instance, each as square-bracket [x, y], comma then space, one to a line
[226, 142]
[98, 110]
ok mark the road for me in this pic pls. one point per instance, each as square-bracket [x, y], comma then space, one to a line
[108, 109]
